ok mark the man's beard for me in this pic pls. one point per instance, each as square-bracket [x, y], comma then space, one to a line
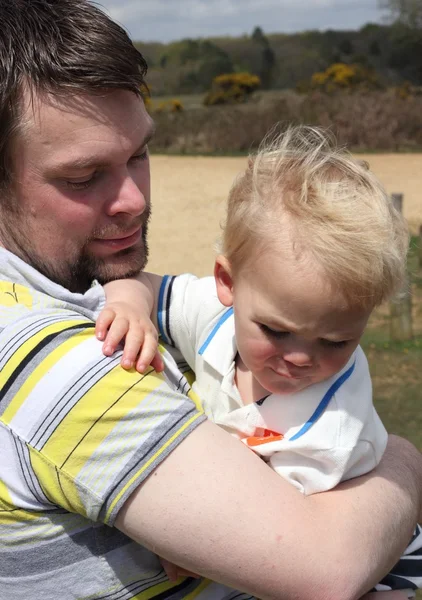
[77, 273]
[126, 263]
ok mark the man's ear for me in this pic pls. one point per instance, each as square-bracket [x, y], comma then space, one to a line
[223, 280]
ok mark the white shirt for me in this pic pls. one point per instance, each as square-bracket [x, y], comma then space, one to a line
[330, 431]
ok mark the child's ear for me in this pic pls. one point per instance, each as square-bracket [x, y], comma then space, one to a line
[223, 280]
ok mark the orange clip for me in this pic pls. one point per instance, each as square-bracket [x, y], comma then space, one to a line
[267, 436]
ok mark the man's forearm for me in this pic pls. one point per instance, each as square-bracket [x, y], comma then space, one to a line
[390, 514]
[214, 508]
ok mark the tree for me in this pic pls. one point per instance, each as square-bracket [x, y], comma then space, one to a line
[266, 57]
[406, 53]
[259, 36]
[192, 65]
[406, 12]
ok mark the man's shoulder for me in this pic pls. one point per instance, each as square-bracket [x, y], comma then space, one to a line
[18, 301]
[67, 407]
[23, 290]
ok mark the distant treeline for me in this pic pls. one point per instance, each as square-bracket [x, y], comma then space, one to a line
[283, 61]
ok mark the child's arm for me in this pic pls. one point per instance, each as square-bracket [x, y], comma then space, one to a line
[130, 313]
[183, 306]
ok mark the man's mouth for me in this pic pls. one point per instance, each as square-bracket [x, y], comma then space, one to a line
[116, 242]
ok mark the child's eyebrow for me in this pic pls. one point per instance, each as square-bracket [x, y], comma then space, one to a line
[331, 336]
[275, 324]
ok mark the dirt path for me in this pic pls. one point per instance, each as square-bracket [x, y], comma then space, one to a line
[189, 198]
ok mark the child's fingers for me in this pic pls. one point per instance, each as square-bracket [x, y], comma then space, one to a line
[116, 332]
[134, 341]
[105, 318]
[148, 351]
[157, 362]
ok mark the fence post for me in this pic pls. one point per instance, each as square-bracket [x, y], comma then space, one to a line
[420, 247]
[401, 305]
[397, 200]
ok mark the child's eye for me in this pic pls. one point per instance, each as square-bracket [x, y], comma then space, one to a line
[332, 344]
[273, 332]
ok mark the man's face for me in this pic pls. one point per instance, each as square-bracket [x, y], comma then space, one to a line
[80, 206]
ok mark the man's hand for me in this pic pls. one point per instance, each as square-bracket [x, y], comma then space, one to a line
[395, 595]
[173, 572]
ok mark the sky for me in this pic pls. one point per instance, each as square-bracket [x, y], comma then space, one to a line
[167, 20]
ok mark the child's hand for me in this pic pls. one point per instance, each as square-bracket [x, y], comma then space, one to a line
[392, 595]
[173, 572]
[119, 320]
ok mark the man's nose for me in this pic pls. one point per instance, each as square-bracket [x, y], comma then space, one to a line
[128, 198]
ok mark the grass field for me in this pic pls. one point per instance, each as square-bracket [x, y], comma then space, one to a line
[192, 101]
[396, 368]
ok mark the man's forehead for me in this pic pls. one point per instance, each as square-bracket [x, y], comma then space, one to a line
[51, 123]
[54, 112]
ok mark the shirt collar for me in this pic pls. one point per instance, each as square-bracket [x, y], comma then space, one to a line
[219, 347]
[15, 270]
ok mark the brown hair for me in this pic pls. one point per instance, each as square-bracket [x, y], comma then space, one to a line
[58, 47]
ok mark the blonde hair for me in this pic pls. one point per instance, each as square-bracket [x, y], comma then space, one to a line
[337, 213]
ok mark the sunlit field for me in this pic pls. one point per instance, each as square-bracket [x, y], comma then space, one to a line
[189, 194]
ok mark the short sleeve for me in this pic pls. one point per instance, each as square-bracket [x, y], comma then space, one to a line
[82, 432]
[186, 306]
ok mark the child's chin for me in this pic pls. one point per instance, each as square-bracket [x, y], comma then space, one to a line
[288, 386]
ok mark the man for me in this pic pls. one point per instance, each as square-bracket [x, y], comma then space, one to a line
[92, 456]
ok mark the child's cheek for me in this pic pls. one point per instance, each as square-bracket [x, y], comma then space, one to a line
[262, 350]
[336, 361]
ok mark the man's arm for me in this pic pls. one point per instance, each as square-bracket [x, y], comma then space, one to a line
[215, 508]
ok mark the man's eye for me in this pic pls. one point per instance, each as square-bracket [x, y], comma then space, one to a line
[331, 344]
[273, 332]
[80, 185]
[139, 157]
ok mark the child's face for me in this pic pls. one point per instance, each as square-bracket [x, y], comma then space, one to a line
[292, 330]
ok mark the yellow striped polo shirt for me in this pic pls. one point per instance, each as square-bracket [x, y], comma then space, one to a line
[78, 434]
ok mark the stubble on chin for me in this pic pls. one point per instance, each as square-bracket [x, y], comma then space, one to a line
[75, 271]
[127, 263]
[123, 264]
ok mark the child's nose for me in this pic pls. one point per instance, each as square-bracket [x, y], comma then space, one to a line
[299, 358]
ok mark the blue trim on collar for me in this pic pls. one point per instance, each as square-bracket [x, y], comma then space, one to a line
[160, 308]
[324, 403]
[216, 327]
